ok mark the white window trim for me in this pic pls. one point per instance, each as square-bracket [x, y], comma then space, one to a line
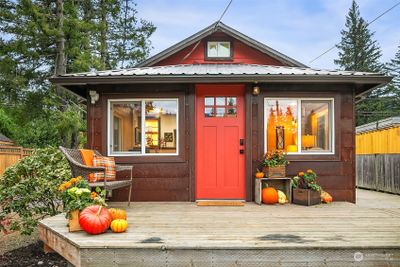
[299, 100]
[218, 44]
[143, 114]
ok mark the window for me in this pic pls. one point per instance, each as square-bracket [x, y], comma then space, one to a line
[220, 106]
[143, 127]
[299, 126]
[218, 49]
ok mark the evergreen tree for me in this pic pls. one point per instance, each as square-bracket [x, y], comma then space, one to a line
[40, 38]
[358, 51]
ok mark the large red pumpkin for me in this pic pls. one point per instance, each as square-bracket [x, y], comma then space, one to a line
[270, 195]
[95, 219]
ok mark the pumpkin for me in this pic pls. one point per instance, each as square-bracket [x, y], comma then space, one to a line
[326, 197]
[95, 219]
[117, 213]
[259, 174]
[269, 195]
[119, 225]
[282, 199]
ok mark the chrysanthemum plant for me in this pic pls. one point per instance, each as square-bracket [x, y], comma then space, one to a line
[307, 180]
[76, 195]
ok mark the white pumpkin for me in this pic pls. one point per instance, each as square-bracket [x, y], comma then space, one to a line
[282, 199]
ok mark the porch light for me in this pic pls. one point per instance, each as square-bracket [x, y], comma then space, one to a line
[256, 89]
[94, 96]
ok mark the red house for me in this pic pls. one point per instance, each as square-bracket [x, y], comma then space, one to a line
[196, 119]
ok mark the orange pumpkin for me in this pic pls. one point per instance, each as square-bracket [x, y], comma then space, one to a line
[117, 213]
[119, 225]
[259, 174]
[270, 195]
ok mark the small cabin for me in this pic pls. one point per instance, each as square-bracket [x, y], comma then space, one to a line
[196, 119]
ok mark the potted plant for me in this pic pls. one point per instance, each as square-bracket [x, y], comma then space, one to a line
[275, 164]
[306, 191]
[76, 195]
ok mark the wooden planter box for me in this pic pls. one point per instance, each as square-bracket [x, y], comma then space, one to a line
[275, 172]
[73, 223]
[306, 197]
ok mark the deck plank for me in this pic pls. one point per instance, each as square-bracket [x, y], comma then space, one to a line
[185, 226]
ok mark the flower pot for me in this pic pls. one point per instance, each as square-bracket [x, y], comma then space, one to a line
[73, 223]
[306, 197]
[275, 172]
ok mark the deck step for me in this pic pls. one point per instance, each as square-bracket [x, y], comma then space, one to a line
[220, 203]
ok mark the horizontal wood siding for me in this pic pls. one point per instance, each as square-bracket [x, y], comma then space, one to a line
[156, 178]
[386, 141]
[336, 173]
[195, 54]
[379, 172]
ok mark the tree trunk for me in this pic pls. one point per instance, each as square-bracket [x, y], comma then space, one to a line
[103, 35]
[60, 60]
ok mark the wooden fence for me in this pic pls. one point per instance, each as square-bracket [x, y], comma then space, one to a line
[379, 172]
[9, 155]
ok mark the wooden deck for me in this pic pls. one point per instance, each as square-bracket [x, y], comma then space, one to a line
[183, 234]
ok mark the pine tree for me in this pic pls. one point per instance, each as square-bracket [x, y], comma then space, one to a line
[357, 49]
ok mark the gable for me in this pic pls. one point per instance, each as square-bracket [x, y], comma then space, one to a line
[245, 50]
[241, 53]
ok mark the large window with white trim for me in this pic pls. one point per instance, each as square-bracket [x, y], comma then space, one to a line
[143, 127]
[299, 126]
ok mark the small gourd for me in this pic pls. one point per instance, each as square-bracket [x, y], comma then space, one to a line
[326, 197]
[282, 199]
[119, 225]
[259, 174]
[117, 213]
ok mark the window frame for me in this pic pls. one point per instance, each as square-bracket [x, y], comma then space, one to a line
[299, 124]
[207, 57]
[142, 124]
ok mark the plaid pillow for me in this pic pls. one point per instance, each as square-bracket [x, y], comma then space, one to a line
[108, 163]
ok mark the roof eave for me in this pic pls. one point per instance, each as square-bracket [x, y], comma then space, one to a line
[372, 80]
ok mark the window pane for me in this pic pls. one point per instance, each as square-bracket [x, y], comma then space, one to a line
[209, 112]
[220, 101]
[220, 112]
[126, 127]
[231, 112]
[281, 125]
[224, 49]
[209, 101]
[212, 49]
[231, 101]
[316, 125]
[161, 126]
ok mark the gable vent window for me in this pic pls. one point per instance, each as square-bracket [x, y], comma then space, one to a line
[218, 50]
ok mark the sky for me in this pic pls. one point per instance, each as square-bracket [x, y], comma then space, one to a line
[301, 29]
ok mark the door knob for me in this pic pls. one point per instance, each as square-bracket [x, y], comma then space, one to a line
[241, 151]
[241, 142]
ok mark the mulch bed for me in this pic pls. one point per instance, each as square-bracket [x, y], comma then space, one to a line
[31, 255]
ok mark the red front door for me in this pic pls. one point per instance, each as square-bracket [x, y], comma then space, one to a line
[220, 136]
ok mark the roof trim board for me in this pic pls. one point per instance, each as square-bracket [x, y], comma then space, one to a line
[219, 26]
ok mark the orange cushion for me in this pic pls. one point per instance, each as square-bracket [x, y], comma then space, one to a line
[108, 163]
[87, 158]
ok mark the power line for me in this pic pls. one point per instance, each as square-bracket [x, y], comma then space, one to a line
[223, 13]
[369, 23]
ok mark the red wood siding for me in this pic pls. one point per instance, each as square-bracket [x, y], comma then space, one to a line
[242, 53]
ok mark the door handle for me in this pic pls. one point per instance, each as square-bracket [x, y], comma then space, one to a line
[241, 141]
[241, 151]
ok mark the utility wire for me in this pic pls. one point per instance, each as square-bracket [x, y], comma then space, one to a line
[223, 14]
[369, 23]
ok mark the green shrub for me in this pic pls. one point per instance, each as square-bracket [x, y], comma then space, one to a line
[28, 190]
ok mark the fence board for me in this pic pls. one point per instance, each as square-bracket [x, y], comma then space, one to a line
[379, 172]
[9, 155]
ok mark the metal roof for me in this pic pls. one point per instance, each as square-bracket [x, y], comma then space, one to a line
[219, 26]
[4, 138]
[378, 125]
[220, 69]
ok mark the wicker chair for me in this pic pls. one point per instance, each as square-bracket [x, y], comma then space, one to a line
[79, 169]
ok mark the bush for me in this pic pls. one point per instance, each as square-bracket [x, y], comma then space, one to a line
[28, 190]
